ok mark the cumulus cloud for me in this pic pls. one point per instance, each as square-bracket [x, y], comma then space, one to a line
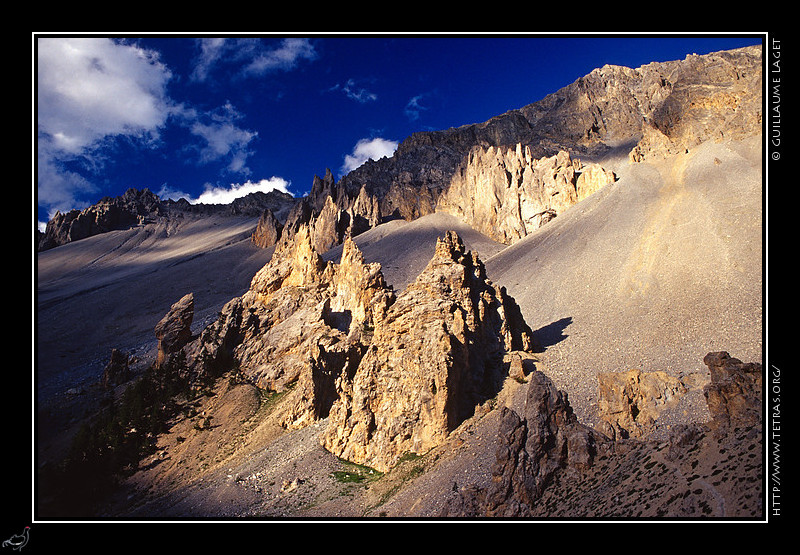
[250, 55]
[226, 195]
[91, 90]
[368, 149]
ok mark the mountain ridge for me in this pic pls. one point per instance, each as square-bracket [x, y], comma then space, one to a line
[656, 109]
[591, 285]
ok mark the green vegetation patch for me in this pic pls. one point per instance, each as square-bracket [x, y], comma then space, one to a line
[355, 473]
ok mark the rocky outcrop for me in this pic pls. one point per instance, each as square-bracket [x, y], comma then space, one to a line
[133, 208]
[300, 325]
[268, 230]
[117, 370]
[735, 393]
[506, 193]
[332, 213]
[173, 331]
[392, 373]
[531, 449]
[629, 403]
[549, 464]
[435, 355]
[703, 98]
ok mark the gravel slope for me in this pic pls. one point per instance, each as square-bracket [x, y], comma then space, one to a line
[652, 272]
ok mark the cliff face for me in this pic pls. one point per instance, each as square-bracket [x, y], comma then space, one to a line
[376, 376]
[436, 355]
[506, 194]
[651, 111]
[654, 110]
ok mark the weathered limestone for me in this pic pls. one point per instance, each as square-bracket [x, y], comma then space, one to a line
[506, 193]
[174, 329]
[300, 324]
[435, 355]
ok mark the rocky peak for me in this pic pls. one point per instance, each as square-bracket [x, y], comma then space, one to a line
[135, 207]
[506, 193]
[173, 331]
[436, 355]
[268, 230]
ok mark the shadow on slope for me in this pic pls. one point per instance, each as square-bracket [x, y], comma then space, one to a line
[655, 270]
[551, 334]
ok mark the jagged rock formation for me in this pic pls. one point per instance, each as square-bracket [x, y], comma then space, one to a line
[735, 392]
[396, 374]
[301, 323]
[549, 464]
[531, 449]
[629, 403]
[268, 230]
[174, 330]
[506, 194]
[138, 207]
[332, 213]
[435, 355]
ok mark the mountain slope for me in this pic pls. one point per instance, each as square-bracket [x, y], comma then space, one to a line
[651, 272]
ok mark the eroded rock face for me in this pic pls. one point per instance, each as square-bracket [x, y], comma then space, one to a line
[735, 392]
[507, 193]
[174, 329]
[332, 213]
[268, 230]
[629, 403]
[300, 324]
[531, 449]
[434, 356]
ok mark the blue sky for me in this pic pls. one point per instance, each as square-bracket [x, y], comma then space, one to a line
[211, 117]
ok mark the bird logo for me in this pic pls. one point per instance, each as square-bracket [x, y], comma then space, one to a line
[18, 541]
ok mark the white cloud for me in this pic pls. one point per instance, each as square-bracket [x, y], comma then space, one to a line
[211, 50]
[226, 195]
[368, 149]
[90, 90]
[222, 137]
[285, 57]
[355, 92]
[251, 55]
[414, 107]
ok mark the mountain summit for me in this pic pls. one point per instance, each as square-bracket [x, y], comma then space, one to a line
[557, 312]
